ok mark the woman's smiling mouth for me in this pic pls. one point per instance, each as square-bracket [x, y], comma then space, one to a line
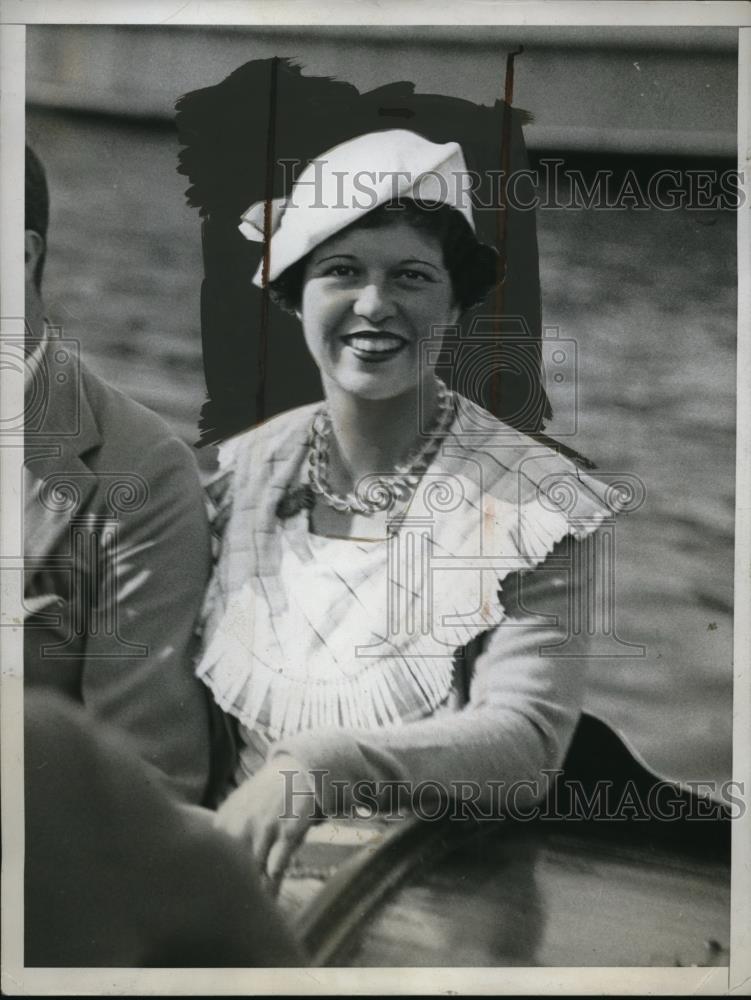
[374, 346]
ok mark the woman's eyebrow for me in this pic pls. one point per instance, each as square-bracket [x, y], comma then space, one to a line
[418, 260]
[332, 256]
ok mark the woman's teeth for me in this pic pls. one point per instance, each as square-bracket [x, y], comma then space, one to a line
[380, 344]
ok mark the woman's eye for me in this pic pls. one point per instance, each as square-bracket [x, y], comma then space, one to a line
[412, 275]
[340, 270]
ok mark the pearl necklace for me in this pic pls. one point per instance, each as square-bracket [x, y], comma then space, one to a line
[380, 493]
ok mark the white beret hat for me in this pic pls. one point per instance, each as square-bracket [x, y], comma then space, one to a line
[342, 184]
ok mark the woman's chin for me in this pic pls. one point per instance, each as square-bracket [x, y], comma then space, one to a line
[375, 385]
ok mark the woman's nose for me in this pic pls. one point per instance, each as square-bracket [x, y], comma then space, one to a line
[373, 303]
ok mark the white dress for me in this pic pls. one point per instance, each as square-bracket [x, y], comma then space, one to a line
[349, 654]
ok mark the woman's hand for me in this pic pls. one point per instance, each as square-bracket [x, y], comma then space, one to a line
[271, 813]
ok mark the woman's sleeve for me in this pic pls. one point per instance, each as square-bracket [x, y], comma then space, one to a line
[525, 696]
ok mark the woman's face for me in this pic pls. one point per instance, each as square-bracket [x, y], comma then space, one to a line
[369, 297]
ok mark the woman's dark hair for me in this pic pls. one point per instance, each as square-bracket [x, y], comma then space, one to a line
[475, 268]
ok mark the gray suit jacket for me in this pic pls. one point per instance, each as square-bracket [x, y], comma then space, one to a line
[117, 555]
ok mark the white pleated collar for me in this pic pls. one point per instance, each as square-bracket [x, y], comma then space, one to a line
[491, 503]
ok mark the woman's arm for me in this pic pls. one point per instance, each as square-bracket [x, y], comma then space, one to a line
[524, 703]
[492, 753]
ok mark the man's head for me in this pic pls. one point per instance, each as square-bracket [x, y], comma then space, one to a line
[37, 213]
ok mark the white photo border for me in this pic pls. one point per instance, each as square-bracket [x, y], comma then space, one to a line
[17, 980]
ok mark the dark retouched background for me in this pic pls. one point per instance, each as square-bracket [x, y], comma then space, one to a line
[648, 296]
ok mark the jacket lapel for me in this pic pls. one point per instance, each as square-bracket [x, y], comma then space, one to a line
[57, 481]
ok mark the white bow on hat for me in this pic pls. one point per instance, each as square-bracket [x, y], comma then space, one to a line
[351, 179]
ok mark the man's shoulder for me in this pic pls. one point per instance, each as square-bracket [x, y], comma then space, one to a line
[130, 433]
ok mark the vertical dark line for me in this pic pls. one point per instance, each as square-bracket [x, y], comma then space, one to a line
[263, 340]
[502, 216]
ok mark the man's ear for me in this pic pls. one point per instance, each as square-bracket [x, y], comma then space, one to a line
[34, 248]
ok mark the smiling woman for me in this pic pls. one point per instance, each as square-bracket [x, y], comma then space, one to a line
[354, 629]
[368, 298]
